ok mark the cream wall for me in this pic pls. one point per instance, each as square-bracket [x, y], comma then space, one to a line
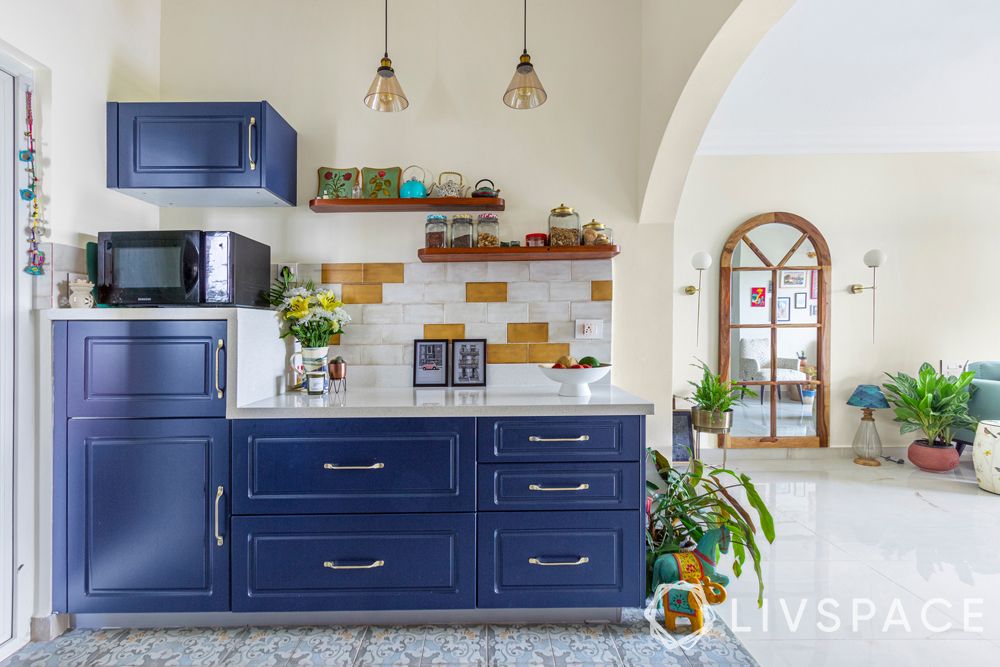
[933, 214]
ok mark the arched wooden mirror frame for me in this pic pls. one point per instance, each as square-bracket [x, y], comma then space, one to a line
[822, 267]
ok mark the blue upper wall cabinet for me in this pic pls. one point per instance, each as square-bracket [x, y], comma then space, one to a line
[202, 153]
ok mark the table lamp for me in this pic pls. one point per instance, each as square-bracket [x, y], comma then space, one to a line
[867, 445]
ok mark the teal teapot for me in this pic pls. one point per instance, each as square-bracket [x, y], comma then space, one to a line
[413, 188]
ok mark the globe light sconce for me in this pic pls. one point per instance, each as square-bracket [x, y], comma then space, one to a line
[873, 259]
[700, 261]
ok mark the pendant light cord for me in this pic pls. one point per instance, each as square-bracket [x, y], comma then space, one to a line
[387, 28]
[525, 25]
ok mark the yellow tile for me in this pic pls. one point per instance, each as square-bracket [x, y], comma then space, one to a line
[335, 339]
[600, 290]
[382, 273]
[480, 292]
[342, 273]
[506, 354]
[547, 353]
[528, 333]
[448, 331]
[362, 293]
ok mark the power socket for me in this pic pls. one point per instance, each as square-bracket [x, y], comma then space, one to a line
[589, 329]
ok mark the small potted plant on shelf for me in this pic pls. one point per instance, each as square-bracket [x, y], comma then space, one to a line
[713, 400]
[935, 405]
[809, 391]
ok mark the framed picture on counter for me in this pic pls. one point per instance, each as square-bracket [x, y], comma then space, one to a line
[468, 362]
[430, 363]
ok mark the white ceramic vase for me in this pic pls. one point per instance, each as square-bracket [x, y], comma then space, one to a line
[986, 456]
[314, 358]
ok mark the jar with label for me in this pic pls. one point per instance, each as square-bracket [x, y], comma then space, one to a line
[461, 232]
[597, 233]
[536, 240]
[564, 226]
[488, 231]
[436, 231]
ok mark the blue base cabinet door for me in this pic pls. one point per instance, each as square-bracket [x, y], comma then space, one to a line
[560, 559]
[147, 515]
[354, 562]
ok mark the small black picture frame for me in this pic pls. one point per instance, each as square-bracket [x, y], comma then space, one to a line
[430, 363]
[468, 362]
[800, 300]
[684, 445]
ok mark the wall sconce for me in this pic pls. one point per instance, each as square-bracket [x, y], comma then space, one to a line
[873, 259]
[700, 261]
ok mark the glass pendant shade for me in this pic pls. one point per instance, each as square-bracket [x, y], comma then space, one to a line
[385, 93]
[525, 90]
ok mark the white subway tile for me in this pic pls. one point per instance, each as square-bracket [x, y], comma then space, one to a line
[527, 292]
[464, 313]
[355, 311]
[463, 272]
[507, 271]
[506, 312]
[401, 334]
[591, 310]
[423, 314]
[546, 271]
[445, 293]
[403, 293]
[408, 354]
[387, 355]
[337, 288]
[591, 348]
[362, 334]
[381, 313]
[380, 376]
[592, 269]
[352, 354]
[418, 272]
[562, 332]
[548, 311]
[493, 333]
[517, 375]
[569, 291]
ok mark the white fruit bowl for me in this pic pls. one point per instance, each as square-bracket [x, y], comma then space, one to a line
[574, 381]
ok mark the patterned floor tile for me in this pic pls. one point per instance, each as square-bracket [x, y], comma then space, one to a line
[720, 648]
[265, 647]
[171, 647]
[332, 646]
[638, 648]
[519, 645]
[455, 645]
[73, 649]
[400, 646]
[581, 645]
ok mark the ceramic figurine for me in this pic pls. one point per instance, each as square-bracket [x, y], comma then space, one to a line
[679, 603]
[81, 294]
[692, 566]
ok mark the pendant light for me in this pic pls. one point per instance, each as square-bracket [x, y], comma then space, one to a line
[385, 93]
[525, 90]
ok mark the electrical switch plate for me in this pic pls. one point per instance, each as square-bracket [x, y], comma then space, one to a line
[589, 329]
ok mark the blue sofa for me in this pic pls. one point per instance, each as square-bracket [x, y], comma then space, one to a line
[985, 400]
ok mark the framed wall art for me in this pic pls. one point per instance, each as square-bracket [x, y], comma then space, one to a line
[468, 363]
[758, 297]
[783, 307]
[792, 279]
[800, 300]
[430, 363]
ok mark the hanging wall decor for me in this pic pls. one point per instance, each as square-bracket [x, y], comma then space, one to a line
[29, 194]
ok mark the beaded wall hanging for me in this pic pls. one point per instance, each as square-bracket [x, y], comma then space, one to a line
[29, 194]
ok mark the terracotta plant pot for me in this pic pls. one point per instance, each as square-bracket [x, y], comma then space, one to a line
[711, 422]
[932, 459]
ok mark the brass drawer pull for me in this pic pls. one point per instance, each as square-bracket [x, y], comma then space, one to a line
[218, 351]
[372, 565]
[538, 438]
[334, 466]
[539, 487]
[218, 536]
[579, 561]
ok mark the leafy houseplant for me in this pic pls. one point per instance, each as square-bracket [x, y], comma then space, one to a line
[714, 399]
[690, 502]
[312, 316]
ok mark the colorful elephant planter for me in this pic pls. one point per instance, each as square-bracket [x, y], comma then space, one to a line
[679, 603]
[694, 567]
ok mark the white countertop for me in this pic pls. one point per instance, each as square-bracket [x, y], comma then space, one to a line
[447, 402]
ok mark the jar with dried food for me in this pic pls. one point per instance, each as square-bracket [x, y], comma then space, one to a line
[461, 232]
[488, 231]
[436, 231]
[597, 233]
[536, 240]
[564, 226]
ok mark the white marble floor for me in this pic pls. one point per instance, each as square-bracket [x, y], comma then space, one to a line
[893, 553]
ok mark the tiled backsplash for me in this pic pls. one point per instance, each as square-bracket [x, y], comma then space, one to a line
[526, 311]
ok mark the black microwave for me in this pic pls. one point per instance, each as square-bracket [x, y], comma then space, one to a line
[181, 268]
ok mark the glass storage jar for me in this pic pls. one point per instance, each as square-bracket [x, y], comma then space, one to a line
[564, 226]
[436, 231]
[536, 240]
[461, 232]
[597, 233]
[488, 231]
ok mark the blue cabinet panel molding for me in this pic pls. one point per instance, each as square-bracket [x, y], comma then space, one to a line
[559, 486]
[560, 439]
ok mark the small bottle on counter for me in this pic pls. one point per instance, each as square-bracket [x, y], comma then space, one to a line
[488, 231]
[461, 232]
[536, 240]
[564, 226]
[316, 383]
[597, 233]
[436, 231]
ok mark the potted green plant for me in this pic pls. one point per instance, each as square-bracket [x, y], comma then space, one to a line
[936, 405]
[713, 401]
[687, 505]
[809, 391]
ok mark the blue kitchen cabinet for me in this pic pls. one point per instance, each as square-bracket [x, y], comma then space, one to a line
[201, 153]
[146, 520]
[146, 368]
[560, 439]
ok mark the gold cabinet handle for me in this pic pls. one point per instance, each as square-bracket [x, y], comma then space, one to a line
[579, 561]
[218, 353]
[253, 122]
[218, 496]
[539, 487]
[538, 438]
[372, 565]
[334, 466]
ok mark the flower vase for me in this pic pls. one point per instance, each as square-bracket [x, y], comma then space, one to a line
[315, 359]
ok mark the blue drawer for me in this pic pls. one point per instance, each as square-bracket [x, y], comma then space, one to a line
[560, 559]
[560, 486]
[345, 466]
[354, 562]
[561, 439]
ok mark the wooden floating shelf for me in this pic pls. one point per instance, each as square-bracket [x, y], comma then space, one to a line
[403, 205]
[517, 254]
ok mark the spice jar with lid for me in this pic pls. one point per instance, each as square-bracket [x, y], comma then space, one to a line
[536, 240]
[461, 232]
[597, 233]
[564, 226]
[488, 231]
[436, 231]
